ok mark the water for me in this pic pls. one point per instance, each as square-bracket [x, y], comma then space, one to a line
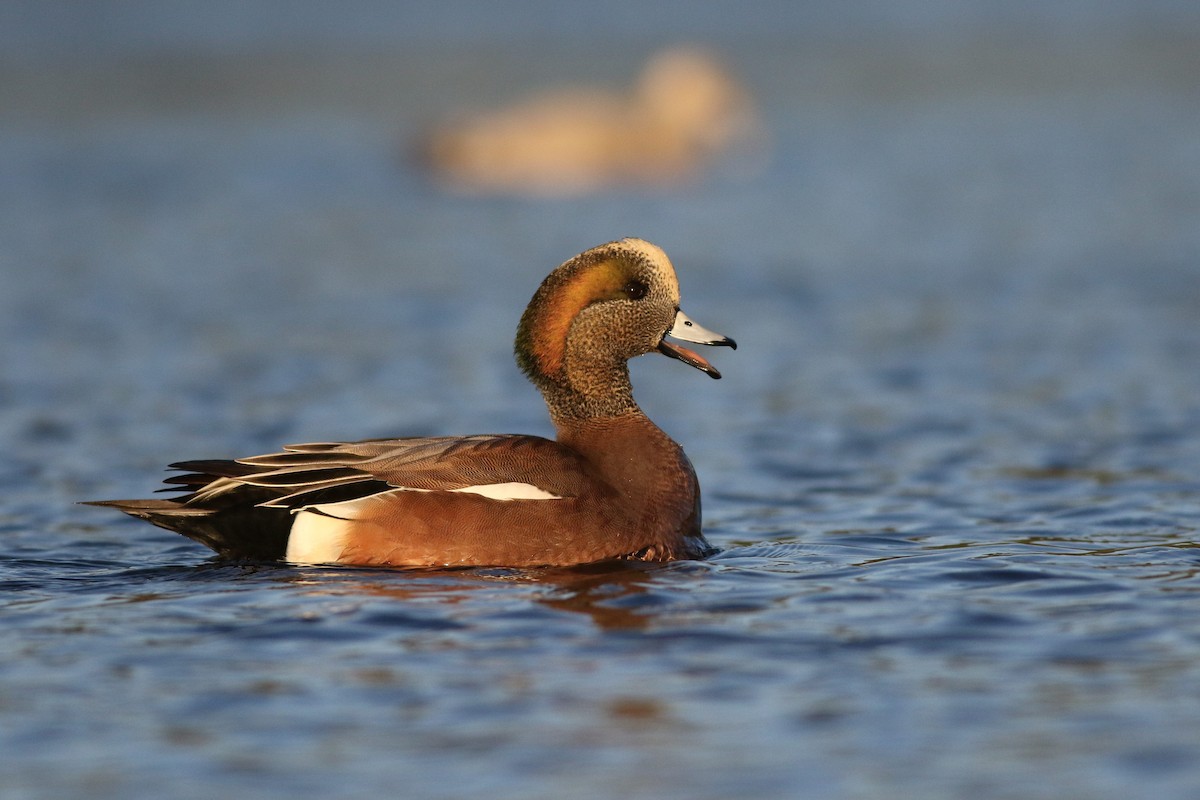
[953, 467]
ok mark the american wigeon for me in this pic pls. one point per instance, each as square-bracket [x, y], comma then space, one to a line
[683, 115]
[613, 486]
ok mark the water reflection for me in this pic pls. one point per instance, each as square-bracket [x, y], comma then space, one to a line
[612, 595]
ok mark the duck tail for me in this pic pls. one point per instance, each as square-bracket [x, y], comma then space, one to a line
[250, 533]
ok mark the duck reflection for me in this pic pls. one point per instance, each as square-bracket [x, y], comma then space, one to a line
[614, 595]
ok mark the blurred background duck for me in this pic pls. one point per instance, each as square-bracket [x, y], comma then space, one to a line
[684, 113]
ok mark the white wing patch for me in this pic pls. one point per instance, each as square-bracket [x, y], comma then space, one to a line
[319, 532]
[509, 491]
[496, 491]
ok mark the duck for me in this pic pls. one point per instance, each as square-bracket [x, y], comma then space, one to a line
[685, 114]
[610, 486]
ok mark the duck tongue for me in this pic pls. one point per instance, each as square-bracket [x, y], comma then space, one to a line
[688, 357]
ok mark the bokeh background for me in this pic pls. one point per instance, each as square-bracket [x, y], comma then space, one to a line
[954, 465]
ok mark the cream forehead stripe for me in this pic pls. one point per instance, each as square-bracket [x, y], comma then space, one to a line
[658, 257]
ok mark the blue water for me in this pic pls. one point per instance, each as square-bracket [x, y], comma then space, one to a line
[953, 467]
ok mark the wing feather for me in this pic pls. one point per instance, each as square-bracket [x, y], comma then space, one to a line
[323, 472]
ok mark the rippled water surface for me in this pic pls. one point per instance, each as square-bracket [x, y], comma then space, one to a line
[953, 467]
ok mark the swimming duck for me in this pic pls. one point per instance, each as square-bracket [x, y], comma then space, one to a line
[611, 486]
[685, 113]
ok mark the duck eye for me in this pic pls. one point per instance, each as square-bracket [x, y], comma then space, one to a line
[635, 290]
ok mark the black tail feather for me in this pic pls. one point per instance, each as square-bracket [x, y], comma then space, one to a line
[238, 532]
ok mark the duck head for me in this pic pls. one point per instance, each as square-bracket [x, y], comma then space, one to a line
[594, 313]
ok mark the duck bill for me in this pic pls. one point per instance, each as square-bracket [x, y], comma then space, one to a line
[686, 330]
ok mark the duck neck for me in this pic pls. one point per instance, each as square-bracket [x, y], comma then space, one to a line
[593, 394]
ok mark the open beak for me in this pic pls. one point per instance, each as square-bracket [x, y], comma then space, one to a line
[686, 330]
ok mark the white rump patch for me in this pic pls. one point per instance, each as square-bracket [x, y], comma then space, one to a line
[316, 538]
